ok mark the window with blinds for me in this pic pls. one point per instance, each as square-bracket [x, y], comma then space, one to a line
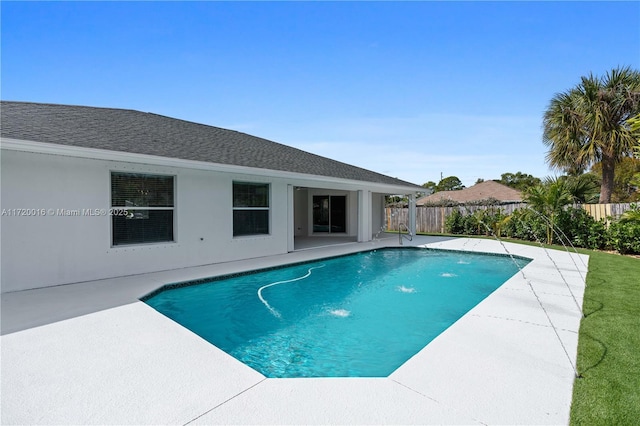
[143, 208]
[250, 208]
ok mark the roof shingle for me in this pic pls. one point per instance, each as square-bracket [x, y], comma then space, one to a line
[481, 191]
[151, 134]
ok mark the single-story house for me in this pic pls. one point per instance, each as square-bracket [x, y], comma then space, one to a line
[483, 191]
[91, 193]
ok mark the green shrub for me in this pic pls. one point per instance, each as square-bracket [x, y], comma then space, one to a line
[454, 223]
[581, 229]
[492, 219]
[572, 225]
[598, 237]
[624, 236]
[471, 225]
[524, 224]
[480, 222]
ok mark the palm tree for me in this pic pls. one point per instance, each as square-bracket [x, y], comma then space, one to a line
[634, 123]
[583, 188]
[588, 123]
[631, 215]
[548, 200]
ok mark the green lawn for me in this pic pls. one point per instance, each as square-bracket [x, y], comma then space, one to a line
[608, 391]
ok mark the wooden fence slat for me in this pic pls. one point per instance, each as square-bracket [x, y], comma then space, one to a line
[432, 219]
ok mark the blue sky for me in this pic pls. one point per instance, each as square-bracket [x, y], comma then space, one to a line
[414, 90]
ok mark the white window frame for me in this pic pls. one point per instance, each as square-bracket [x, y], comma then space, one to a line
[266, 208]
[127, 210]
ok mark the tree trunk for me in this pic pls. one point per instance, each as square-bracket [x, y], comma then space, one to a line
[606, 188]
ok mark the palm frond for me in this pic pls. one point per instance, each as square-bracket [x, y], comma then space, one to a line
[589, 123]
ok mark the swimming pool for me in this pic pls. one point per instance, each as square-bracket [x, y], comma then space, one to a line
[361, 315]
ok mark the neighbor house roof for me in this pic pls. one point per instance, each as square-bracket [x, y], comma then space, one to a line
[138, 132]
[481, 191]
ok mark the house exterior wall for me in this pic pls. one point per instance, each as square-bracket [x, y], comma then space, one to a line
[50, 234]
[62, 246]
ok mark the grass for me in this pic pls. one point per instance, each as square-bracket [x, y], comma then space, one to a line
[608, 391]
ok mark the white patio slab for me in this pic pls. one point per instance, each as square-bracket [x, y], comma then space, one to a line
[118, 361]
[333, 401]
[125, 365]
[487, 372]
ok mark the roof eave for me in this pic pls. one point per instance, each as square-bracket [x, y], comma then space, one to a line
[12, 144]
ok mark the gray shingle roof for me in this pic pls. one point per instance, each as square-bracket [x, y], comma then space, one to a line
[146, 133]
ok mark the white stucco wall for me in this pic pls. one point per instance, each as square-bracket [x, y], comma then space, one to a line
[48, 247]
[55, 248]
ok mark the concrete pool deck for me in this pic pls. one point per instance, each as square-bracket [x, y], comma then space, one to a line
[91, 353]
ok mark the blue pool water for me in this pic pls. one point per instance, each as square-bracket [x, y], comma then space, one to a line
[361, 315]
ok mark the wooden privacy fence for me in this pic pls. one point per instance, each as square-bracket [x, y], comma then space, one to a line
[603, 211]
[431, 219]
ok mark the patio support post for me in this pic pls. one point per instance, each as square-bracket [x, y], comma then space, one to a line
[364, 216]
[412, 214]
[290, 219]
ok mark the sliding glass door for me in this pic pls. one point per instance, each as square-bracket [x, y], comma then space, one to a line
[330, 213]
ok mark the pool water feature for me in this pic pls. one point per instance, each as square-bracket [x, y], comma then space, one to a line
[361, 315]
